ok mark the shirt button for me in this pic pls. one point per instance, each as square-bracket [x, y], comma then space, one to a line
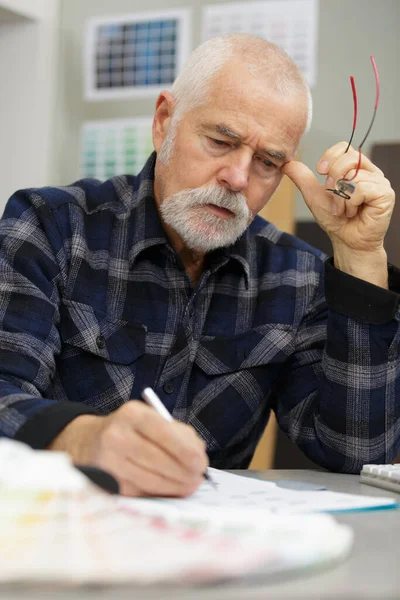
[168, 387]
[100, 341]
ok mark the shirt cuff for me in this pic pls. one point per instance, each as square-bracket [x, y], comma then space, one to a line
[359, 299]
[41, 429]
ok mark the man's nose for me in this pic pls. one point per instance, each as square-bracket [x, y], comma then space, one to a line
[234, 175]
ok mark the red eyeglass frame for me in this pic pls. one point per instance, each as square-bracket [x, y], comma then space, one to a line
[344, 186]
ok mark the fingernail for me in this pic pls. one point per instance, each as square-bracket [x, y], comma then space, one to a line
[323, 167]
[334, 207]
[330, 182]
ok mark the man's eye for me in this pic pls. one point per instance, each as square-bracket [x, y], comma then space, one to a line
[218, 142]
[267, 163]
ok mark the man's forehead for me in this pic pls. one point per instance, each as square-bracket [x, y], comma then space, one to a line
[237, 96]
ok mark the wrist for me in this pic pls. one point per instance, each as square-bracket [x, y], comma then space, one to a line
[368, 266]
[76, 438]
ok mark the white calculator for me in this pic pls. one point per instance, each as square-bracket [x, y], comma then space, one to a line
[382, 476]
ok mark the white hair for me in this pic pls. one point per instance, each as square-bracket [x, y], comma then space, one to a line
[264, 60]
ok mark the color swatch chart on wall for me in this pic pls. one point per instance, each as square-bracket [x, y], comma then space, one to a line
[291, 24]
[133, 55]
[115, 147]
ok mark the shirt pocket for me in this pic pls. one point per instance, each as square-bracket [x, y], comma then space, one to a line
[99, 355]
[264, 345]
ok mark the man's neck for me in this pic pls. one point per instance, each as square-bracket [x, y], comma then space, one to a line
[192, 260]
[193, 263]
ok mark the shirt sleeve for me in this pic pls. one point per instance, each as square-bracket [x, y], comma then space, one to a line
[30, 283]
[338, 398]
[360, 299]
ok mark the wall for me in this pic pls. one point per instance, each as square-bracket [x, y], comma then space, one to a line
[29, 9]
[349, 32]
[28, 73]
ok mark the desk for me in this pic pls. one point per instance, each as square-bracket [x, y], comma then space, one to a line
[371, 572]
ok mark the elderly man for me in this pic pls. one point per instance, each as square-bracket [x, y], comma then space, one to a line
[170, 280]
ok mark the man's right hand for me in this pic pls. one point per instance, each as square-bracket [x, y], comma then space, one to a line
[148, 455]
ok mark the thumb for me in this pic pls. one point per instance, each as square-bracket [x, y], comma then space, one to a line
[303, 178]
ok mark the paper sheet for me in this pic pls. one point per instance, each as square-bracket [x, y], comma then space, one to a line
[236, 492]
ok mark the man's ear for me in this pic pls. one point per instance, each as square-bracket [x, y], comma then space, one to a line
[162, 118]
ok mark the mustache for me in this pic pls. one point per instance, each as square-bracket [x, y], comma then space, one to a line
[215, 194]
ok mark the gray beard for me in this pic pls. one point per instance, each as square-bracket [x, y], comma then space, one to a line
[199, 229]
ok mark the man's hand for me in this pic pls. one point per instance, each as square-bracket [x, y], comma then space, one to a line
[356, 226]
[146, 454]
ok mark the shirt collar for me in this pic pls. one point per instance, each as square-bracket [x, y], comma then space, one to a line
[239, 254]
[148, 230]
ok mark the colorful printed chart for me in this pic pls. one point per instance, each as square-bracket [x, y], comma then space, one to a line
[115, 147]
[135, 55]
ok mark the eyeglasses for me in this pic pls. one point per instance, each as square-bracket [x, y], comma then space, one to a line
[344, 186]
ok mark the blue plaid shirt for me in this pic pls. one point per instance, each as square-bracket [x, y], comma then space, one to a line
[95, 305]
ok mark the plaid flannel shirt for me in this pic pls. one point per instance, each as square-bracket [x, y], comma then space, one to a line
[95, 305]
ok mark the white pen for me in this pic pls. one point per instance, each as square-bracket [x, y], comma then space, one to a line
[151, 398]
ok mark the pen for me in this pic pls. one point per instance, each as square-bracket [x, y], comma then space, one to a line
[151, 398]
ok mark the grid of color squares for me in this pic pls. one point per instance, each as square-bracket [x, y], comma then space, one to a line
[115, 147]
[130, 54]
[135, 54]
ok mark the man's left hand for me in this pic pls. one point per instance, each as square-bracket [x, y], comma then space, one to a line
[356, 226]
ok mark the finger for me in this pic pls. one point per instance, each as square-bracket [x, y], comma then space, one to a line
[330, 155]
[364, 192]
[145, 454]
[183, 445]
[138, 481]
[337, 152]
[303, 178]
[338, 206]
[361, 176]
[177, 439]
[345, 166]
[378, 198]
[121, 449]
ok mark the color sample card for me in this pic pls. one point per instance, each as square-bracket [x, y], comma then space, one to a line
[135, 55]
[290, 24]
[115, 147]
